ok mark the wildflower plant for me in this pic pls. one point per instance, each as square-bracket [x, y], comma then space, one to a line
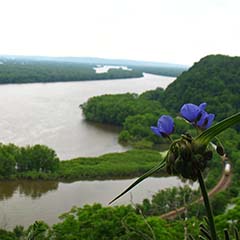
[188, 156]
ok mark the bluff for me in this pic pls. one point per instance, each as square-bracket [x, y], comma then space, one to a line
[215, 79]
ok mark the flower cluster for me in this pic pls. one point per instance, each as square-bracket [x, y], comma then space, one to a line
[197, 115]
[185, 157]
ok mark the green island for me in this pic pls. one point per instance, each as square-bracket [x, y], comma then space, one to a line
[215, 79]
[40, 162]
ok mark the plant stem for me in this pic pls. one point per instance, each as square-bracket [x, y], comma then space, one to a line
[207, 206]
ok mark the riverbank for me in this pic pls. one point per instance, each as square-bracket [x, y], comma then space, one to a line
[127, 164]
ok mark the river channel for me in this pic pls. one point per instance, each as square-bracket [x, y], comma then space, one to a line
[49, 113]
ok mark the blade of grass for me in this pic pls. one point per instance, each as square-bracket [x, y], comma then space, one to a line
[140, 179]
[206, 136]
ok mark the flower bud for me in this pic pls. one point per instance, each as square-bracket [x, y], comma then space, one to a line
[220, 150]
[185, 159]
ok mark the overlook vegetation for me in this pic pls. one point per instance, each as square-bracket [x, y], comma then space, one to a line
[118, 223]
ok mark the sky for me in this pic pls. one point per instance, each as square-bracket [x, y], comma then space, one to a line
[171, 31]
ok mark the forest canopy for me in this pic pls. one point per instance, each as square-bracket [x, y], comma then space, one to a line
[215, 79]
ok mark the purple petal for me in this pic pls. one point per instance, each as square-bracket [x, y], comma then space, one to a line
[202, 106]
[156, 131]
[203, 119]
[211, 117]
[190, 112]
[165, 124]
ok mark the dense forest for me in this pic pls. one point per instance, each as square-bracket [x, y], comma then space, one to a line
[27, 70]
[215, 79]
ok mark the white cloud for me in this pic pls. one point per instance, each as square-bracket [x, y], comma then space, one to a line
[159, 30]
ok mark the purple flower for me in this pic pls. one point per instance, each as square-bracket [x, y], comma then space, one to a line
[165, 126]
[191, 112]
[197, 115]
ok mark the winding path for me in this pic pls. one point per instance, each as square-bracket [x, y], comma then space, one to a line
[223, 183]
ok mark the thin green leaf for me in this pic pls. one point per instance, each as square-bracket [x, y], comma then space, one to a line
[226, 234]
[205, 219]
[236, 234]
[206, 136]
[140, 179]
[203, 226]
[190, 237]
[205, 233]
[202, 238]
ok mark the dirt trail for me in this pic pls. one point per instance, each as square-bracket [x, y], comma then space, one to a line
[223, 183]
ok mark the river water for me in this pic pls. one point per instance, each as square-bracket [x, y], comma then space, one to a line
[49, 113]
[23, 202]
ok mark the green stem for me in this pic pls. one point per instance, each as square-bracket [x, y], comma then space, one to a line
[170, 139]
[207, 206]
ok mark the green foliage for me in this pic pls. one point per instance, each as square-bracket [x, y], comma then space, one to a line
[113, 223]
[114, 165]
[231, 217]
[40, 162]
[7, 160]
[136, 113]
[40, 158]
[27, 71]
[19, 231]
[219, 202]
[215, 79]
[119, 223]
[5, 235]
[114, 109]
[137, 128]
[167, 200]
[155, 95]
[16, 160]
[38, 231]
[111, 109]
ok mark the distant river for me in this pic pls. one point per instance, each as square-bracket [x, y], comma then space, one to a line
[49, 113]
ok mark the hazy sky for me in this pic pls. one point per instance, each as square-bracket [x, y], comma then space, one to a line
[177, 31]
